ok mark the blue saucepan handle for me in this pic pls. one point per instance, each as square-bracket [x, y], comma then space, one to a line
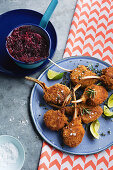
[45, 19]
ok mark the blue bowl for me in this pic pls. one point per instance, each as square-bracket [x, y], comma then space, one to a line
[38, 63]
[11, 20]
[19, 149]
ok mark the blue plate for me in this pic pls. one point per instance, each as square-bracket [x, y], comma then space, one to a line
[9, 21]
[38, 107]
[18, 149]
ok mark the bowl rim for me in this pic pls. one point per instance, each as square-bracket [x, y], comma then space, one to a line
[21, 62]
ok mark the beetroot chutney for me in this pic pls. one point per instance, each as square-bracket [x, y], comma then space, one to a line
[25, 45]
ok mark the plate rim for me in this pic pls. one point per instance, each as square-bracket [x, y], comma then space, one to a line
[38, 127]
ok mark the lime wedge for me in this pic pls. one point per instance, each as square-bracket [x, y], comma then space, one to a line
[94, 127]
[107, 112]
[53, 75]
[110, 101]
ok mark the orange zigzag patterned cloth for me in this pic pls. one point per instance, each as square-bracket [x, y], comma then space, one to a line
[91, 34]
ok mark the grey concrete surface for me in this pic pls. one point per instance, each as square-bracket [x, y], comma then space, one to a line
[15, 116]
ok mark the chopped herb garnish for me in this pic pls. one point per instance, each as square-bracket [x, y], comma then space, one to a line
[86, 126]
[103, 115]
[97, 65]
[41, 104]
[103, 134]
[65, 79]
[85, 111]
[90, 67]
[70, 86]
[90, 93]
[109, 132]
[99, 84]
[99, 72]
[79, 77]
[58, 98]
[105, 103]
[46, 108]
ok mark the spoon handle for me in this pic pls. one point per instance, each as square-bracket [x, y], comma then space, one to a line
[45, 19]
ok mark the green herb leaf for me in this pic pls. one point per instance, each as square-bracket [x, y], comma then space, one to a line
[90, 93]
[85, 111]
